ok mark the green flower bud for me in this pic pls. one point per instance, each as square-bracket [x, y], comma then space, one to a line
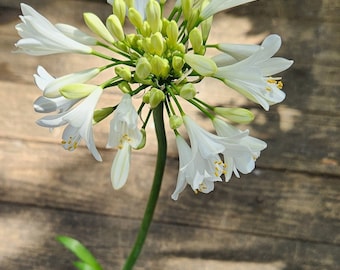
[157, 43]
[123, 72]
[153, 15]
[119, 9]
[156, 97]
[187, 91]
[160, 66]
[131, 40]
[205, 28]
[77, 90]
[124, 86]
[172, 33]
[193, 20]
[101, 114]
[177, 63]
[201, 64]
[195, 37]
[187, 6]
[96, 26]
[135, 18]
[146, 97]
[146, 29]
[175, 121]
[237, 115]
[114, 26]
[143, 68]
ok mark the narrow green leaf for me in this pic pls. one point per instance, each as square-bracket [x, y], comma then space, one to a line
[83, 266]
[80, 251]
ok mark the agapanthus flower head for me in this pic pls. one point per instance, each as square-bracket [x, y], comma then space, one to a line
[161, 64]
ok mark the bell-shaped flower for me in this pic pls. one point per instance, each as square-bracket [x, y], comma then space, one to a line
[236, 155]
[41, 37]
[125, 135]
[79, 123]
[76, 34]
[51, 86]
[200, 173]
[216, 6]
[252, 76]
[44, 104]
[244, 161]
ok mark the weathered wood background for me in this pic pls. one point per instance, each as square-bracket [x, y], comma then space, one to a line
[283, 216]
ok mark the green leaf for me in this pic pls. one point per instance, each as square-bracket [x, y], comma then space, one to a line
[81, 252]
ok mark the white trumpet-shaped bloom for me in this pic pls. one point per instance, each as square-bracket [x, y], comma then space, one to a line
[252, 76]
[41, 37]
[44, 104]
[200, 173]
[244, 161]
[201, 164]
[124, 134]
[79, 124]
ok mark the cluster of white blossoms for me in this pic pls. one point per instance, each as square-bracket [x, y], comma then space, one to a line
[161, 63]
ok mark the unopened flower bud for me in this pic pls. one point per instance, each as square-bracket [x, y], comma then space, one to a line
[101, 114]
[177, 63]
[143, 68]
[201, 64]
[187, 6]
[187, 91]
[192, 21]
[124, 86]
[135, 18]
[205, 28]
[96, 26]
[156, 97]
[146, 29]
[114, 26]
[175, 121]
[160, 66]
[123, 72]
[153, 15]
[172, 33]
[77, 90]
[157, 43]
[146, 97]
[119, 9]
[195, 37]
[237, 115]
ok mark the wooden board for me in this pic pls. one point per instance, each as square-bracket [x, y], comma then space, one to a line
[283, 216]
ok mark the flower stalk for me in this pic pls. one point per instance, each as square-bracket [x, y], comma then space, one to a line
[156, 186]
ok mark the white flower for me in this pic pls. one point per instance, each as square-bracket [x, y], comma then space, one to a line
[252, 76]
[79, 122]
[125, 135]
[243, 161]
[198, 172]
[201, 165]
[51, 85]
[41, 37]
[45, 105]
[218, 5]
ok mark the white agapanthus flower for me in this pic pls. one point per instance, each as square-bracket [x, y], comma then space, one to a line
[41, 37]
[252, 76]
[124, 134]
[216, 6]
[46, 105]
[76, 34]
[252, 150]
[79, 123]
[200, 173]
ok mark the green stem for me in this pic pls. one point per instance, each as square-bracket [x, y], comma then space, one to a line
[157, 181]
